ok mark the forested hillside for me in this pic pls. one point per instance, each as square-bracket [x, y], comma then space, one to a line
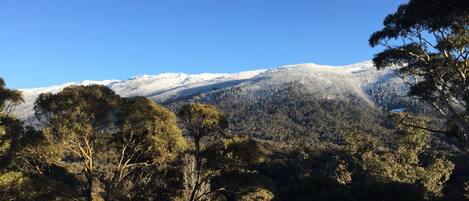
[92, 144]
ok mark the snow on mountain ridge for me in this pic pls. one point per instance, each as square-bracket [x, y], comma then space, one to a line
[61, 86]
[162, 87]
[364, 65]
[206, 76]
[148, 85]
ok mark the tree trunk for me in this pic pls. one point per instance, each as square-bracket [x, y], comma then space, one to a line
[109, 192]
[465, 137]
[194, 191]
[89, 186]
[198, 164]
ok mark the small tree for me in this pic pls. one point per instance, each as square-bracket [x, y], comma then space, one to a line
[202, 122]
[427, 41]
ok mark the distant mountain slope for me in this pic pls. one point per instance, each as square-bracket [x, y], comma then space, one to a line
[157, 87]
[295, 99]
[304, 101]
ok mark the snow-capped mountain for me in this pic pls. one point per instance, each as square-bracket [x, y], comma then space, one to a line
[320, 81]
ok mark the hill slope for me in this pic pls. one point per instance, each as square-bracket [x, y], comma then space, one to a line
[301, 100]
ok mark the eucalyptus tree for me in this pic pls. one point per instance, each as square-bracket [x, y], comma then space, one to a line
[109, 143]
[427, 42]
[203, 124]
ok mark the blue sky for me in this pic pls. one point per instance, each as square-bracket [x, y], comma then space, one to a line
[46, 42]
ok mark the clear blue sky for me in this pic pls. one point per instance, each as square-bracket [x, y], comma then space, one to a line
[45, 42]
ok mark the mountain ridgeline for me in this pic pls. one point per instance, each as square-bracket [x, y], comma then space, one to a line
[295, 102]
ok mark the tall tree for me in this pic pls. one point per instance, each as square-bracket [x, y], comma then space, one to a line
[203, 123]
[427, 41]
[78, 120]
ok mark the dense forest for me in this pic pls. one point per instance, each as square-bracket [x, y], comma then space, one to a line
[89, 143]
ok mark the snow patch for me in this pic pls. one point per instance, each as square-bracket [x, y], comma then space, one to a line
[327, 81]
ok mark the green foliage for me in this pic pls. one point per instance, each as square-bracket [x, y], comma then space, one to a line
[111, 145]
[201, 120]
[289, 113]
[10, 127]
[76, 111]
[147, 141]
[257, 194]
[204, 124]
[95, 145]
[10, 182]
[233, 162]
[152, 124]
[15, 183]
[433, 56]
[8, 98]
[76, 125]
[401, 162]
[92, 144]
[237, 152]
[5, 142]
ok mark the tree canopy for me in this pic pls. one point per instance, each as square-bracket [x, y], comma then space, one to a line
[110, 144]
[427, 41]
